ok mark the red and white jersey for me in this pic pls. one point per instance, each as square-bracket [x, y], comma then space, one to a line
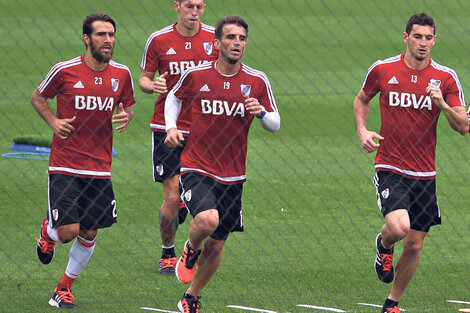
[217, 144]
[409, 116]
[169, 51]
[91, 96]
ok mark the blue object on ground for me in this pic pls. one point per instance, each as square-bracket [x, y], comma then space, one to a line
[31, 152]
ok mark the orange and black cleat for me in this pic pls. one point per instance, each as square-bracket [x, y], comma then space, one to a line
[383, 261]
[166, 266]
[395, 309]
[62, 298]
[186, 265]
[46, 246]
[189, 304]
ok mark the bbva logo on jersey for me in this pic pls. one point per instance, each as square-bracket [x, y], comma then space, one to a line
[406, 100]
[219, 107]
[177, 68]
[93, 103]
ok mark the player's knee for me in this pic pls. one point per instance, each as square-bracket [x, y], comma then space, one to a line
[174, 201]
[413, 245]
[214, 246]
[413, 249]
[171, 195]
[398, 228]
[88, 234]
[68, 233]
[401, 231]
[397, 224]
[395, 232]
[207, 221]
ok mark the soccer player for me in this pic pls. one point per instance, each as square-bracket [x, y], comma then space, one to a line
[81, 200]
[223, 96]
[171, 51]
[414, 90]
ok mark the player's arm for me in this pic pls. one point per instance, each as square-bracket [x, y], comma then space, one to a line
[61, 127]
[148, 84]
[172, 111]
[456, 116]
[270, 121]
[361, 114]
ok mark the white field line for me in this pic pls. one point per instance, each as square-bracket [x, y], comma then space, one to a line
[377, 306]
[319, 308]
[249, 309]
[368, 304]
[157, 310]
[458, 301]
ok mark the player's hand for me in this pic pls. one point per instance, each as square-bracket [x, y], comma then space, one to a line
[253, 107]
[367, 140]
[62, 127]
[122, 117]
[159, 84]
[174, 138]
[436, 95]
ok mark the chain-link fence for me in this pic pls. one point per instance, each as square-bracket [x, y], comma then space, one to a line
[309, 204]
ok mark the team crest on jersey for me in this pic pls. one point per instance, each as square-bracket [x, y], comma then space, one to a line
[246, 90]
[187, 195]
[159, 169]
[55, 214]
[208, 46]
[385, 193]
[115, 84]
[435, 82]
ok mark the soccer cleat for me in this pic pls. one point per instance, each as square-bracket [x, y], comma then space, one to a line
[167, 266]
[186, 265]
[189, 304]
[62, 298]
[395, 309]
[383, 262]
[46, 246]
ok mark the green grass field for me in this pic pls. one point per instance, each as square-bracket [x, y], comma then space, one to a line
[310, 210]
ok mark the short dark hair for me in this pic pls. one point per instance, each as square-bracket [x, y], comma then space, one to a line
[422, 19]
[88, 30]
[230, 19]
[180, 1]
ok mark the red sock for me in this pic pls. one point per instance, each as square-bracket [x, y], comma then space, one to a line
[65, 282]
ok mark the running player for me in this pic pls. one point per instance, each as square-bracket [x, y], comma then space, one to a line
[171, 51]
[223, 96]
[414, 90]
[81, 200]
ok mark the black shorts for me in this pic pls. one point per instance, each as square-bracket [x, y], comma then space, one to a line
[166, 161]
[87, 201]
[417, 196]
[201, 193]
